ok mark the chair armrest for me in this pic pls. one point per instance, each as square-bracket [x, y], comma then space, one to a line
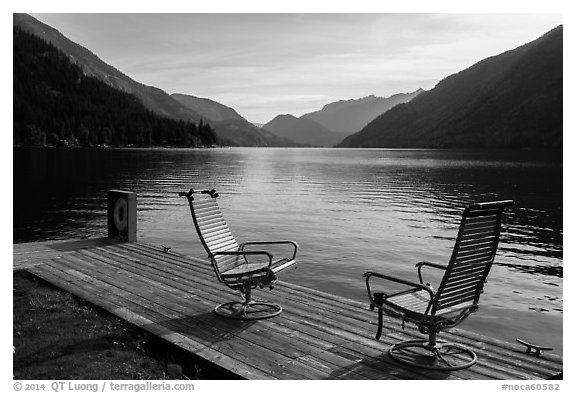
[263, 243]
[411, 284]
[242, 253]
[430, 264]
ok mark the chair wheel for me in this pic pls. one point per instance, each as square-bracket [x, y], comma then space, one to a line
[442, 356]
[250, 311]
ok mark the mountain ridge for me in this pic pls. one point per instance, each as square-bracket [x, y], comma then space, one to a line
[350, 116]
[153, 98]
[210, 109]
[235, 132]
[303, 130]
[510, 100]
[231, 127]
[55, 103]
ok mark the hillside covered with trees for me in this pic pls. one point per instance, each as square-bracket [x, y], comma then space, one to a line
[513, 100]
[55, 103]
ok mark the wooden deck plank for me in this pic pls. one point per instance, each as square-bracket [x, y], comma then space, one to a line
[370, 318]
[272, 353]
[79, 287]
[303, 350]
[318, 335]
[210, 338]
[259, 339]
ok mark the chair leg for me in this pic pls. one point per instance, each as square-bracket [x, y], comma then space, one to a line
[248, 309]
[432, 354]
[380, 321]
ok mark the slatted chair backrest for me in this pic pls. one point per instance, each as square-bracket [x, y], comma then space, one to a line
[472, 257]
[214, 233]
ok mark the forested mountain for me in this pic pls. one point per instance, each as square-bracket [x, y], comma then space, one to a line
[234, 132]
[232, 129]
[207, 108]
[350, 116]
[304, 131]
[56, 103]
[153, 98]
[513, 100]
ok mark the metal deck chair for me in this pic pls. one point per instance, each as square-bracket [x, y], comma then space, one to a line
[235, 266]
[457, 296]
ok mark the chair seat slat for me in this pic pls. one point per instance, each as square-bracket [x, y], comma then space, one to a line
[225, 247]
[199, 203]
[206, 206]
[471, 219]
[225, 259]
[474, 258]
[474, 237]
[471, 287]
[212, 225]
[223, 232]
[478, 231]
[457, 282]
[475, 245]
[485, 248]
[206, 209]
[207, 226]
[484, 213]
[216, 236]
[227, 262]
[247, 270]
[209, 215]
[413, 301]
[457, 277]
[204, 201]
[481, 224]
[218, 244]
[230, 264]
[466, 271]
[221, 244]
[456, 301]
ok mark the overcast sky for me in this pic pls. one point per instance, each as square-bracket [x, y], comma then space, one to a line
[263, 65]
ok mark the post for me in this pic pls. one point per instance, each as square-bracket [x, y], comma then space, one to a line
[122, 215]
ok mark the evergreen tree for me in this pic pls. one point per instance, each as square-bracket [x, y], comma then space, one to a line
[55, 103]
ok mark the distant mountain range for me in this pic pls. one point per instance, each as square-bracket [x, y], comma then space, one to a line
[231, 127]
[55, 103]
[212, 111]
[350, 116]
[235, 132]
[303, 130]
[153, 98]
[336, 120]
[513, 100]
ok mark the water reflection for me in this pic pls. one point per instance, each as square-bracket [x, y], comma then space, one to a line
[555, 271]
[350, 210]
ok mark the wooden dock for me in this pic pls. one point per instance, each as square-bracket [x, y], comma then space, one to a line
[317, 336]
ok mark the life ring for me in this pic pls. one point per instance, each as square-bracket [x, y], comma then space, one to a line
[121, 215]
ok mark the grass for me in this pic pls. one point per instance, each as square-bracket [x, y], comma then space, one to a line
[59, 336]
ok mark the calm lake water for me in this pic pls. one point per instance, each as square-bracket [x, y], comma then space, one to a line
[351, 211]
